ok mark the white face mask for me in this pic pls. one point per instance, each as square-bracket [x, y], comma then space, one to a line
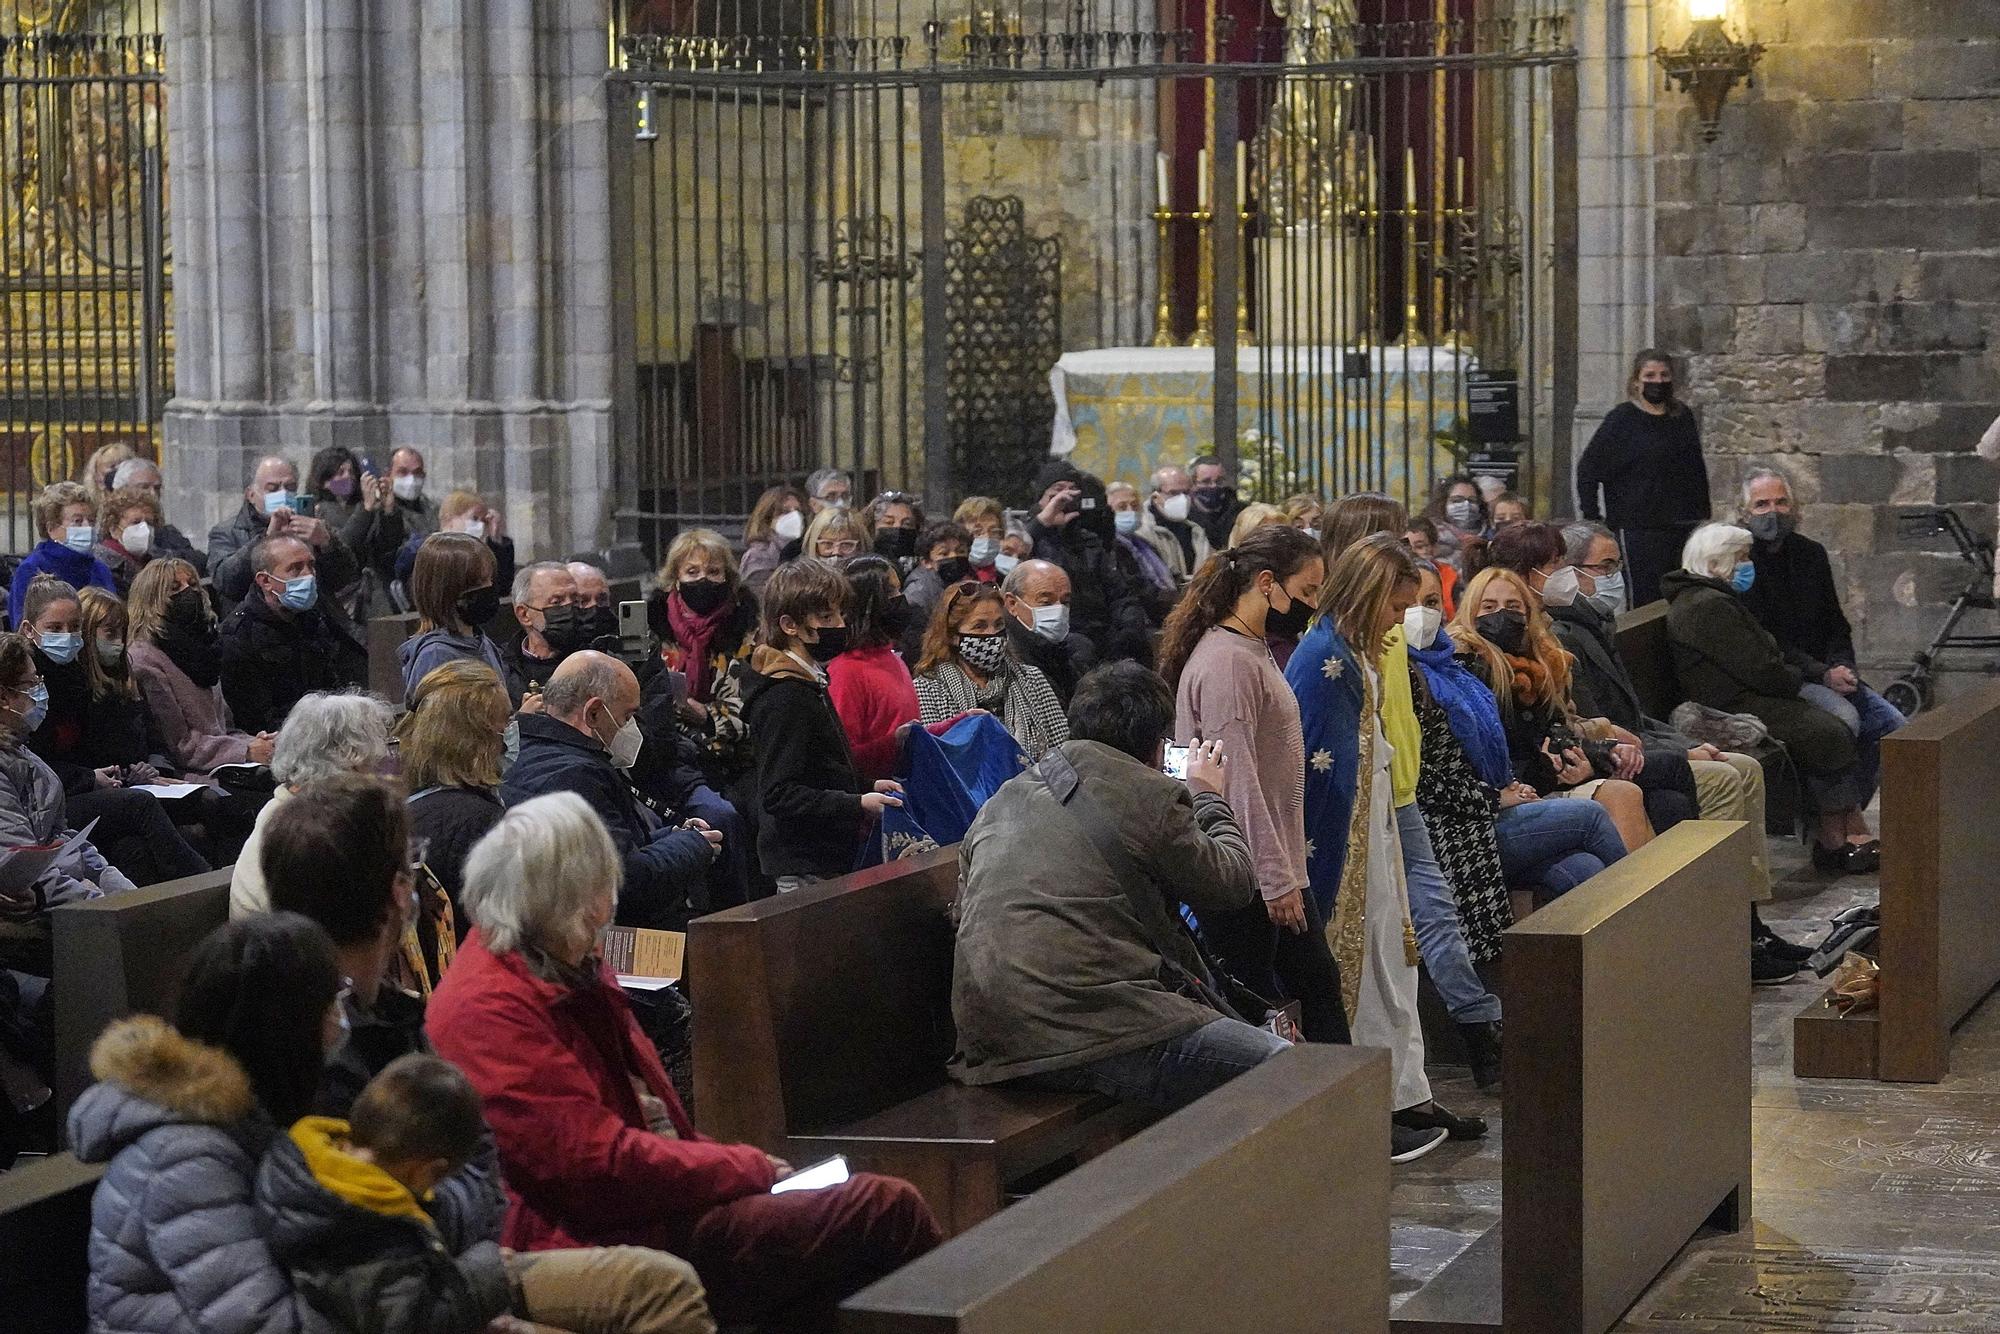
[625, 743]
[1127, 521]
[1005, 563]
[790, 526]
[1560, 589]
[1052, 623]
[474, 528]
[1175, 508]
[408, 487]
[1609, 599]
[1420, 626]
[137, 538]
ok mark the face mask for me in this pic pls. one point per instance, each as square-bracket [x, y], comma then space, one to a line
[1744, 576]
[1771, 527]
[340, 488]
[1052, 623]
[837, 503]
[1313, 533]
[1290, 622]
[301, 594]
[61, 649]
[984, 549]
[789, 526]
[1127, 521]
[1561, 588]
[954, 569]
[408, 487]
[277, 500]
[1609, 599]
[1462, 512]
[832, 642]
[110, 652]
[1208, 497]
[562, 628]
[597, 623]
[38, 709]
[1657, 392]
[1174, 509]
[625, 745]
[473, 528]
[479, 606]
[703, 596]
[79, 537]
[1504, 630]
[983, 652]
[1420, 626]
[897, 616]
[896, 543]
[1005, 564]
[184, 611]
[137, 538]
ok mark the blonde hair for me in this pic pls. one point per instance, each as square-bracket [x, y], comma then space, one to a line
[535, 876]
[1297, 507]
[837, 523]
[1251, 519]
[99, 608]
[973, 508]
[152, 589]
[1541, 642]
[451, 736]
[117, 502]
[458, 504]
[57, 497]
[1359, 585]
[709, 543]
[105, 459]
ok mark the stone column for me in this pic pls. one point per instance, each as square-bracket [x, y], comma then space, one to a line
[391, 226]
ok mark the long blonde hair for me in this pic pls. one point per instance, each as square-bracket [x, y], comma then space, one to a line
[1359, 585]
[451, 737]
[152, 589]
[1541, 643]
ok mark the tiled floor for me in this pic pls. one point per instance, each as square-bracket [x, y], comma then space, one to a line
[1877, 1206]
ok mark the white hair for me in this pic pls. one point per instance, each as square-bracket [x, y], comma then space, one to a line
[130, 468]
[1580, 536]
[524, 580]
[327, 735]
[1715, 549]
[1765, 474]
[536, 876]
[1116, 487]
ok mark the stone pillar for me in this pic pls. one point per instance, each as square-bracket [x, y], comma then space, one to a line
[391, 226]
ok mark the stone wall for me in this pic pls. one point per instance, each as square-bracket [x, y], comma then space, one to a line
[1830, 266]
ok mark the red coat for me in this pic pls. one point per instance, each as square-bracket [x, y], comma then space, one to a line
[872, 692]
[555, 1067]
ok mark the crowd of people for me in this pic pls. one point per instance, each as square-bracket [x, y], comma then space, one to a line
[1272, 761]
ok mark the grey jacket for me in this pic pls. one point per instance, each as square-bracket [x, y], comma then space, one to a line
[1599, 684]
[1054, 968]
[32, 813]
[176, 1242]
[230, 544]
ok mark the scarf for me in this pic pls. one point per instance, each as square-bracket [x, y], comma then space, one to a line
[1036, 722]
[1471, 709]
[1151, 567]
[198, 656]
[694, 634]
[1531, 681]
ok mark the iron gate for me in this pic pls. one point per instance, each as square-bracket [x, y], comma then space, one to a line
[794, 183]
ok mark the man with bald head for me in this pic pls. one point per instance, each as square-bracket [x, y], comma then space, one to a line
[1037, 596]
[271, 508]
[584, 740]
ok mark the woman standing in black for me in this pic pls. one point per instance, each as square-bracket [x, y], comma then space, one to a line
[1646, 457]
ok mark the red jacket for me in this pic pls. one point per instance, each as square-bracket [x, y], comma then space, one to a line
[872, 692]
[555, 1067]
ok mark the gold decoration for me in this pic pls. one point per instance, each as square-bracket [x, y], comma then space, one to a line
[1348, 933]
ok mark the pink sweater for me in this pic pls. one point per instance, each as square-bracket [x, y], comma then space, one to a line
[193, 722]
[1232, 692]
[871, 692]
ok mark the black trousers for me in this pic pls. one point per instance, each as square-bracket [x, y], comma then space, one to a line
[135, 834]
[1650, 553]
[1283, 965]
[1667, 783]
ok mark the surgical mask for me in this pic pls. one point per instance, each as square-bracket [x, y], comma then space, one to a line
[896, 543]
[38, 708]
[137, 538]
[1313, 533]
[1292, 621]
[1743, 577]
[1420, 626]
[1127, 521]
[61, 648]
[984, 550]
[408, 487]
[277, 500]
[1174, 509]
[1561, 588]
[985, 652]
[1005, 563]
[341, 488]
[832, 642]
[301, 594]
[1052, 623]
[789, 526]
[1504, 630]
[1609, 599]
[703, 597]
[1462, 512]
[625, 744]
[1771, 527]
[480, 606]
[1657, 392]
[473, 528]
[110, 652]
[953, 569]
[79, 537]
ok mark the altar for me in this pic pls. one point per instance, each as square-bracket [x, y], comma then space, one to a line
[1123, 412]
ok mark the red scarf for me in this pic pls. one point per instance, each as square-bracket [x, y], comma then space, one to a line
[694, 634]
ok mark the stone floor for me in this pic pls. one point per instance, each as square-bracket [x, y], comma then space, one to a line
[1877, 1206]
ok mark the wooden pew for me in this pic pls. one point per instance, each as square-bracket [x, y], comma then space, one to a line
[1627, 1097]
[122, 955]
[1940, 941]
[1264, 1206]
[1642, 643]
[823, 1024]
[45, 1229]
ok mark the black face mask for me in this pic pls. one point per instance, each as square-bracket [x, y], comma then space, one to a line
[896, 543]
[478, 608]
[187, 613]
[1771, 527]
[598, 623]
[898, 616]
[1657, 392]
[953, 570]
[563, 628]
[832, 642]
[1504, 630]
[1207, 497]
[1289, 623]
[703, 596]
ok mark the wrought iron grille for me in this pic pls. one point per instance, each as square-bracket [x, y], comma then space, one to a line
[1003, 330]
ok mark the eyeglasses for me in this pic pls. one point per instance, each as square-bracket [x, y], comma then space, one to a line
[845, 546]
[1611, 566]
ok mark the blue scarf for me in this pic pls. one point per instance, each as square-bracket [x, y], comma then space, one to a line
[1474, 714]
[1326, 678]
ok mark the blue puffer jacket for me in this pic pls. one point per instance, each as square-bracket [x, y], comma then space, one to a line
[176, 1242]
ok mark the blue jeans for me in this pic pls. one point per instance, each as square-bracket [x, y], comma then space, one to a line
[1440, 936]
[1554, 846]
[1169, 1075]
[1869, 717]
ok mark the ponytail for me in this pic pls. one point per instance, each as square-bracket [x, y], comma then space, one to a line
[1211, 596]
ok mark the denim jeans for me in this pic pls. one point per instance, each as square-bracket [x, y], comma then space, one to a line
[1554, 846]
[1169, 1075]
[1869, 717]
[1440, 937]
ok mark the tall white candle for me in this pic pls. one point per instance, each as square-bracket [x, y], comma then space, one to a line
[1201, 180]
[1160, 170]
[1410, 178]
[1242, 176]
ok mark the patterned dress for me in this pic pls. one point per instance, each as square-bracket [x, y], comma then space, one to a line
[1459, 811]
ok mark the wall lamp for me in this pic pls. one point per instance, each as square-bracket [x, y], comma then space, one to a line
[1710, 63]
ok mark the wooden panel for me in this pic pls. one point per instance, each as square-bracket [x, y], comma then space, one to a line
[1264, 1206]
[385, 635]
[45, 1217]
[1642, 643]
[1829, 1045]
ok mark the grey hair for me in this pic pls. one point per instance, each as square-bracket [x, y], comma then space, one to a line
[524, 581]
[582, 681]
[534, 877]
[1120, 486]
[1017, 578]
[278, 459]
[1754, 476]
[122, 476]
[328, 735]
[1715, 549]
[1578, 536]
[1159, 477]
[820, 479]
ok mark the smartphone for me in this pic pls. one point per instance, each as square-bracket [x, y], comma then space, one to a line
[817, 1177]
[302, 506]
[1175, 764]
[634, 631]
[367, 466]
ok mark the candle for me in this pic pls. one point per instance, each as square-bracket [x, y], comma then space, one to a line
[1410, 178]
[1242, 177]
[1201, 180]
[1461, 182]
[1160, 173]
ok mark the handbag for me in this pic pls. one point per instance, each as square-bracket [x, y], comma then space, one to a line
[1740, 732]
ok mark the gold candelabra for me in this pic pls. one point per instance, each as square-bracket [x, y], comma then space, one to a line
[1204, 315]
[1163, 310]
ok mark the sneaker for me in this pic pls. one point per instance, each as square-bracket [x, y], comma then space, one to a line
[1440, 1117]
[1776, 945]
[1407, 1145]
[1767, 969]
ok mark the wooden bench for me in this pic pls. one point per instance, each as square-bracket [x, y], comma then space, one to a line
[823, 1024]
[1264, 1206]
[122, 955]
[1627, 1097]
[1649, 659]
[45, 1229]
[1940, 941]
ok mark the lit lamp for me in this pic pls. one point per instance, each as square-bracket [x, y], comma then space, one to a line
[1709, 63]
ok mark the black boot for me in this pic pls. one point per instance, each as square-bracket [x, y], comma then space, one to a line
[1482, 1051]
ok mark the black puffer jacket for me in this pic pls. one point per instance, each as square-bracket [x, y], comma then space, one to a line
[271, 659]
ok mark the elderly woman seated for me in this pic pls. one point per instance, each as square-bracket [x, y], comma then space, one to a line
[1727, 660]
[594, 1144]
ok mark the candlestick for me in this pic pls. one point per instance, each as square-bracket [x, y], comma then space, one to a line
[1163, 309]
[1460, 190]
[1242, 176]
[1204, 321]
[1160, 171]
[1410, 179]
[1201, 179]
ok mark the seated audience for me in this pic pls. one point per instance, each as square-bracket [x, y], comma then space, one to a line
[896, 519]
[584, 741]
[1726, 659]
[814, 806]
[283, 642]
[943, 559]
[359, 505]
[99, 474]
[1182, 545]
[964, 665]
[867, 682]
[1212, 502]
[183, 1114]
[593, 604]
[68, 524]
[456, 595]
[272, 509]
[1458, 512]
[1509, 508]
[144, 475]
[126, 522]
[462, 512]
[407, 479]
[176, 658]
[1036, 594]
[777, 519]
[551, 625]
[450, 744]
[594, 1143]
[837, 533]
[1252, 517]
[985, 521]
[705, 623]
[1073, 529]
[325, 737]
[1157, 586]
[829, 489]
[1071, 967]
[1304, 510]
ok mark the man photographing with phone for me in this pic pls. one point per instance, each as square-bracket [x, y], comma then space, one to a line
[273, 508]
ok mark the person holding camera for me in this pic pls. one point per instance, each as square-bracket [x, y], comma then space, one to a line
[1072, 969]
[1074, 528]
[273, 508]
